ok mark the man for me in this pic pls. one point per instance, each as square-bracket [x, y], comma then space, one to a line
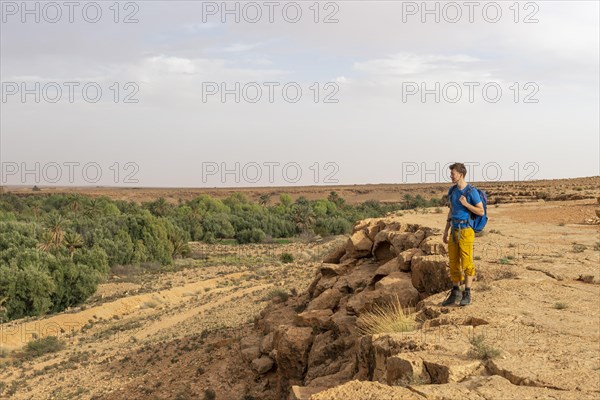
[462, 237]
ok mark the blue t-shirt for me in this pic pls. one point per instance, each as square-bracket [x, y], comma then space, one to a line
[458, 210]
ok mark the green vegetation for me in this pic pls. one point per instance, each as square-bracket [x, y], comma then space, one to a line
[278, 295]
[560, 305]
[287, 258]
[209, 394]
[483, 350]
[56, 249]
[39, 347]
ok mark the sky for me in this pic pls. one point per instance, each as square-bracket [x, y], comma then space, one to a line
[243, 94]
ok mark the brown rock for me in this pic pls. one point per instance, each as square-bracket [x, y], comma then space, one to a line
[386, 269]
[344, 324]
[446, 369]
[323, 284]
[250, 353]
[266, 344]
[344, 374]
[329, 270]
[413, 239]
[328, 300]
[406, 368]
[262, 365]
[315, 318]
[374, 228]
[430, 274]
[359, 245]
[434, 245]
[406, 256]
[386, 290]
[292, 345]
[335, 255]
[359, 278]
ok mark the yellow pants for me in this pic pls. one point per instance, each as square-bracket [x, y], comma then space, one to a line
[461, 253]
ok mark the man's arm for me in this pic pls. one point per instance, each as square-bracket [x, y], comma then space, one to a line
[477, 209]
[445, 237]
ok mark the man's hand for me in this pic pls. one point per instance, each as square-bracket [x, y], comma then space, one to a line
[445, 237]
[463, 201]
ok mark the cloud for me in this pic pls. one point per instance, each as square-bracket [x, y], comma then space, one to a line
[239, 47]
[403, 64]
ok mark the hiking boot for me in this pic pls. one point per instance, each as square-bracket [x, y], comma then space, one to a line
[466, 298]
[453, 297]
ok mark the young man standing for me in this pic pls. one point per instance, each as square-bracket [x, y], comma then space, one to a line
[462, 236]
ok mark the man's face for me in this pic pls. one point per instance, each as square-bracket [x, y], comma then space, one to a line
[454, 175]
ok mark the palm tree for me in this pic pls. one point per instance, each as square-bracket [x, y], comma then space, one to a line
[303, 216]
[180, 246]
[160, 207]
[263, 200]
[47, 243]
[93, 208]
[73, 241]
[74, 200]
[56, 228]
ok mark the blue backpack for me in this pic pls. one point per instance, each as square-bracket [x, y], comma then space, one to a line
[477, 222]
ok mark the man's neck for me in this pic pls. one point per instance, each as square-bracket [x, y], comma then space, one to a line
[461, 184]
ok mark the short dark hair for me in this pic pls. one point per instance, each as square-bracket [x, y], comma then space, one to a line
[460, 168]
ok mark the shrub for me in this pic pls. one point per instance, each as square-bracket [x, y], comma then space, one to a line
[38, 347]
[391, 317]
[253, 235]
[482, 350]
[278, 294]
[579, 248]
[209, 394]
[287, 258]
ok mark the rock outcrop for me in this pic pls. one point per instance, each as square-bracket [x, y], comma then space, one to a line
[311, 341]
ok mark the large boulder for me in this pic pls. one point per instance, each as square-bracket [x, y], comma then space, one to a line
[359, 245]
[328, 300]
[430, 274]
[292, 345]
[335, 255]
[399, 284]
[326, 357]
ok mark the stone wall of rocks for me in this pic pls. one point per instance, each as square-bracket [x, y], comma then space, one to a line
[311, 341]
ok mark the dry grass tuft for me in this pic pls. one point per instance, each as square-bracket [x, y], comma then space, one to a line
[387, 318]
